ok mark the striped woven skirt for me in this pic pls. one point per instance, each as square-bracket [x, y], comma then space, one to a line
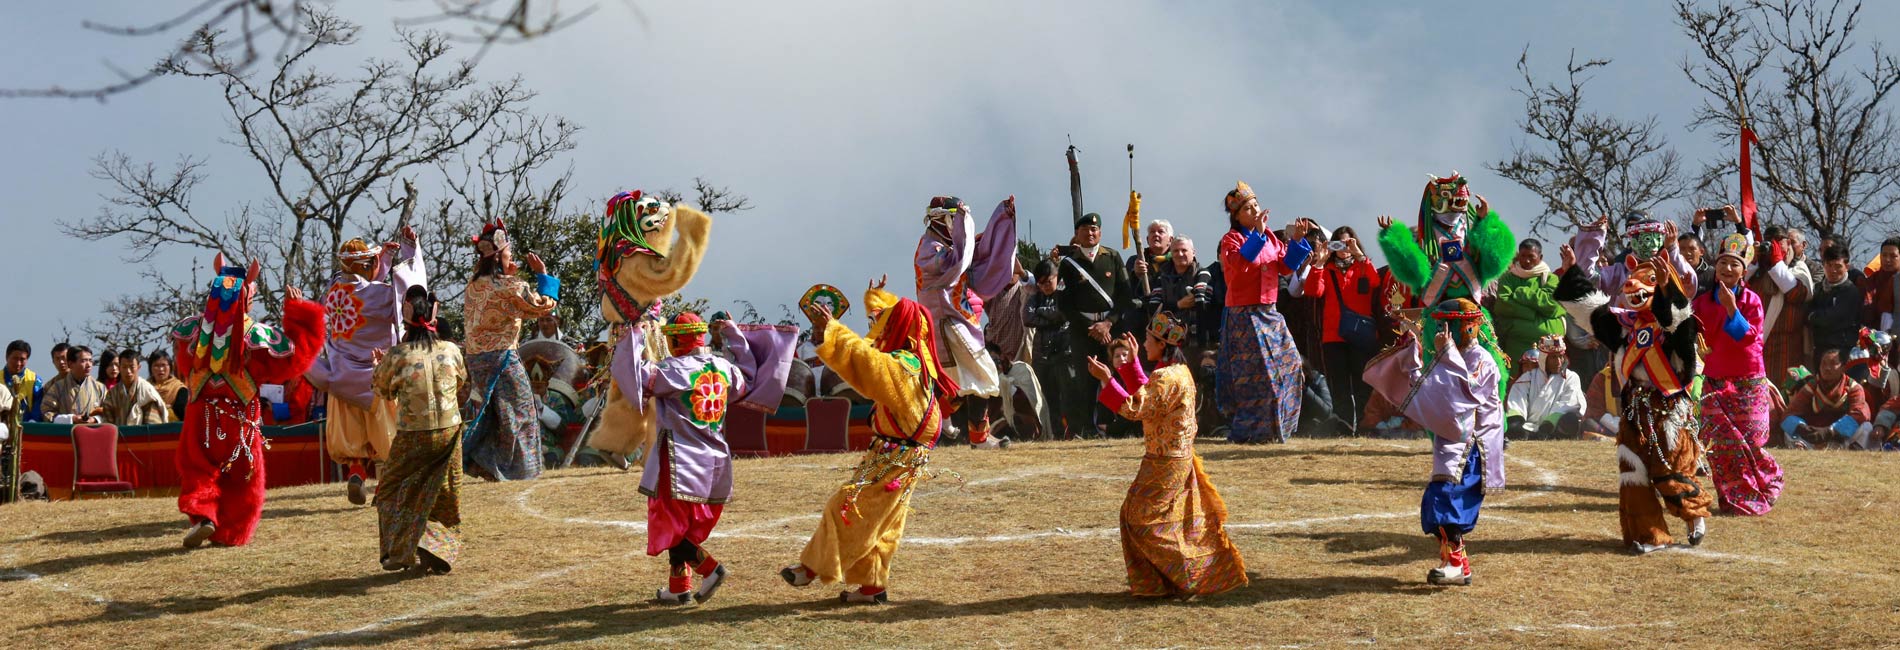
[1259, 375]
[503, 440]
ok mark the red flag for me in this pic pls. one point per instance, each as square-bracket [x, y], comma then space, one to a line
[1748, 185]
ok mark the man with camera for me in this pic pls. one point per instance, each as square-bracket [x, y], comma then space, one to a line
[1094, 293]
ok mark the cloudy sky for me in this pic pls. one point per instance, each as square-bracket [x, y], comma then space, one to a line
[840, 119]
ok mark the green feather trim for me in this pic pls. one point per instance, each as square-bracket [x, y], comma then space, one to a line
[1494, 246]
[1402, 254]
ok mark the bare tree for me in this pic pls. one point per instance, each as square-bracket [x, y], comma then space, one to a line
[1585, 165]
[261, 26]
[1828, 156]
[327, 145]
[330, 149]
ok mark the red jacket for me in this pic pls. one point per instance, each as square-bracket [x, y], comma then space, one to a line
[1359, 285]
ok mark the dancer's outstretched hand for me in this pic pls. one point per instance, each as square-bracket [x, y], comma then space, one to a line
[293, 293]
[535, 264]
[1385, 221]
[1097, 370]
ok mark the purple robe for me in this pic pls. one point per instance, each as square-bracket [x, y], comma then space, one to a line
[764, 354]
[690, 393]
[363, 315]
[954, 276]
[1457, 401]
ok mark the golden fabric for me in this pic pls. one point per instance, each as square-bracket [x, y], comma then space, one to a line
[168, 392]
[352, 434]
[425, 380]
[624, 429]
[494, 307]
[1172, 523]
[862, 522]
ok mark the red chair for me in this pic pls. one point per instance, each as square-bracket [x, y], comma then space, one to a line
[745, 431]
[96, 461]
[827, 425]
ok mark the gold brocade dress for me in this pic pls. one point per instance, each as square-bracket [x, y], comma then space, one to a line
[862, 522]
[1173, 538]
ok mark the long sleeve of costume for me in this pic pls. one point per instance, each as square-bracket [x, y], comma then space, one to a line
[993, 258]
[303, 326]
[1403, 256]
[879, 376]
[537, 305]
[1490, 236]
[940, 264]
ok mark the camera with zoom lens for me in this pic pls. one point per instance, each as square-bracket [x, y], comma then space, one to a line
[1203, 293]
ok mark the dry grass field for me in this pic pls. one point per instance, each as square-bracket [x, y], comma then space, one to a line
[1023, 554]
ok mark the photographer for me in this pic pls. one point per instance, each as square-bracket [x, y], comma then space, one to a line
[1343, 285]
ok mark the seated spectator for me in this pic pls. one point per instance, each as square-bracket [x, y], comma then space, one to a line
[1600, 400]
[1525, 308]
[1829, 409]
[1546, 402]
[170, 388]
[76, 397]
[1834, 312]
[134, 402]
[109, 368]
[1317, 418]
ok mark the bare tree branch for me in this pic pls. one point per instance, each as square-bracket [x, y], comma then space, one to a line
[1818, 102]
[1586, 165]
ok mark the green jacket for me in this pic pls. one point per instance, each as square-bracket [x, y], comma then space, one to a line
[1526, 310]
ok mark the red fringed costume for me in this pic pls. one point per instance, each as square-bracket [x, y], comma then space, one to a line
[221, 449]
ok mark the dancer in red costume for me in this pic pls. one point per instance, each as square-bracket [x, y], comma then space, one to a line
[224, 357]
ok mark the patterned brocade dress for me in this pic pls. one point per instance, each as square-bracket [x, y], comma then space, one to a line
[418, 500]
[1173, 539]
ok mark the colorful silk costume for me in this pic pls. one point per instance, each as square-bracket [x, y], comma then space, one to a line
[897, 368]
[418, 493]
[1737, 395]
[224, 358]
[1455, 399]
[958, 271]
[1461, 246]
[503, 439]
[1172, 522]
[1258, 374]
[363, 306]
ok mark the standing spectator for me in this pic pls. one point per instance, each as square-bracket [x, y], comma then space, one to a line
[60, 354]
[1877, 287]
[23, 383]
[1695, 254]
[1051, 348]
[1343, 285]
[1094, 293]
[134, 402]
[1143, 267]
[75, 397]
[1834, 312]
[166, 382]
[1526, 310]
[1784, 286]
[1259, 369]
[108, 368]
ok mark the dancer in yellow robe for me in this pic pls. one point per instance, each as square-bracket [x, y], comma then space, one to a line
[897, 367]
[1174, 538]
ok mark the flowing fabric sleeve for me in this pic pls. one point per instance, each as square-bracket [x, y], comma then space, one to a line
[640, 381]
[1588, 244]
[539, 304]
[940, 264]
[407, 271]
[879, 376]
[303, 327]
[993, 264]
